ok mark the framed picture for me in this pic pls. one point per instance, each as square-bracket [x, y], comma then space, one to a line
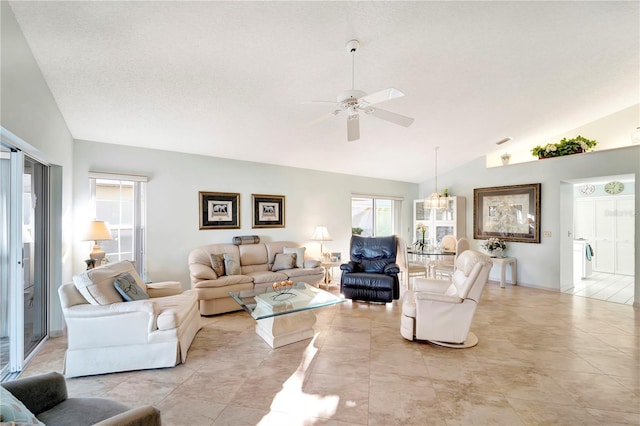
[219, 210]
[508, 212]
[268, 211]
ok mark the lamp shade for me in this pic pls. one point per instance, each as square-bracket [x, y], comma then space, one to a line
[97, 231]
[436, 201]
[321, 234]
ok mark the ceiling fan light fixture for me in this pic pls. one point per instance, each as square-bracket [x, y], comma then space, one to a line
[354, 101]
[505, 140]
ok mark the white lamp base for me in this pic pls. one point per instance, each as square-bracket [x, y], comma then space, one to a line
[97, 254]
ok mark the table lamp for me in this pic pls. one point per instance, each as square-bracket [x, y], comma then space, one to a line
[321, 234]
[98, 231]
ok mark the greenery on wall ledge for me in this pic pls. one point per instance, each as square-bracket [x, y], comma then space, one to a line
[564, 147]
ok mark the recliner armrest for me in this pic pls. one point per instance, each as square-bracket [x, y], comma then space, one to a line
[164, 288]
[392, 269]
[431, 285]
[436, 297]
[147, 415]
[348, 267]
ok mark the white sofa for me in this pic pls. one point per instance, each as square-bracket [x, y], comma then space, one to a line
[107, 334]
[255, 272]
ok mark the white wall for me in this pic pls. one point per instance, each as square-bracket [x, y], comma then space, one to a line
[312, 198]
[539, 264]
[611, 131]
[30, 112]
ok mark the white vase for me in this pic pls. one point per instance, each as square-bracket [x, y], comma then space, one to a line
[499, 253]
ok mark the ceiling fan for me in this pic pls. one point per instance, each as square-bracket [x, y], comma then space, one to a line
[355, 101]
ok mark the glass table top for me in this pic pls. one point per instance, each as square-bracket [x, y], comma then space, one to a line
[300, 297]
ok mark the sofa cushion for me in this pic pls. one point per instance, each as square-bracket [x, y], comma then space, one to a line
[13, 410]
[224, 281]
[302, 272]
[299, 251]
[217, 264]
[231, 264]
[284, 261]
[126, 285]
[261, 277]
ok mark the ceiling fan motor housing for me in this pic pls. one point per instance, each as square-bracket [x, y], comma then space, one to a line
[350, 97]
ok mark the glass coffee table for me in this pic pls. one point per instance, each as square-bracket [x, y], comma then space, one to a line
[285, 318]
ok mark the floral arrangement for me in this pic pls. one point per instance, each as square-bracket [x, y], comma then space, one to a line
[423, 229]
[564, 147]
[493, 244]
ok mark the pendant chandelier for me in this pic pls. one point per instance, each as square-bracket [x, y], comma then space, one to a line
[435, 200]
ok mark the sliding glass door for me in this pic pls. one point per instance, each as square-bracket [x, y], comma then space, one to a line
[5, 248]
[24, 276]
[34, 249]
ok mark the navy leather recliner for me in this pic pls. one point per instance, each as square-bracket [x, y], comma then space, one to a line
[372, 273]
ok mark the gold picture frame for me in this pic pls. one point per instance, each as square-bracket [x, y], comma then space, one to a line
[219, 210]
[268, 211]
[511, 213]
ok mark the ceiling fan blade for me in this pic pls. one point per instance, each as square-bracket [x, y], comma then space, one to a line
[318, 102]
[353, 128]
[383, 114]
[381, 96]
[321, 118]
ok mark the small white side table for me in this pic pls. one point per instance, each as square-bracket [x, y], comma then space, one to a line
[503, 262]
[328, 271]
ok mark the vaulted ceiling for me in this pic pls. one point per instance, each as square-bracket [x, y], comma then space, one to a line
[229, 79]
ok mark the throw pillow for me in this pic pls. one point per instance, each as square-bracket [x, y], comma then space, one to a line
[13, 410]
[231, 264]
[299, 251]
[217, 263]
[284, 261]
[126, 285]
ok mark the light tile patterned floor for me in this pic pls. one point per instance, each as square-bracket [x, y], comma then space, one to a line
[603, 286]
[543, 358]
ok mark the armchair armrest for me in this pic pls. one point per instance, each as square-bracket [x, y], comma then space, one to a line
[392, 269]
[145, 415]
[164, 288]
[39, 393]
[430, 285]
[437, 297]
[89, 311]
[348, 267]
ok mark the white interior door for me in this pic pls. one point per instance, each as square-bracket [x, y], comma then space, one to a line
[604, 235]
[625, 253]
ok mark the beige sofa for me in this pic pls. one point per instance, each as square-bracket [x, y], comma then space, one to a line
[107, 334]
[255, 272]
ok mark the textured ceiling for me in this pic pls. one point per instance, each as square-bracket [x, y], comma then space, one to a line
[228, 79]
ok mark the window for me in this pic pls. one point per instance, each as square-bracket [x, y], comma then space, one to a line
[375, 216]
[120, 201]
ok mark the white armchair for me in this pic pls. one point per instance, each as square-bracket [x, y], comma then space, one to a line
[107, 334]
[441, 311]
